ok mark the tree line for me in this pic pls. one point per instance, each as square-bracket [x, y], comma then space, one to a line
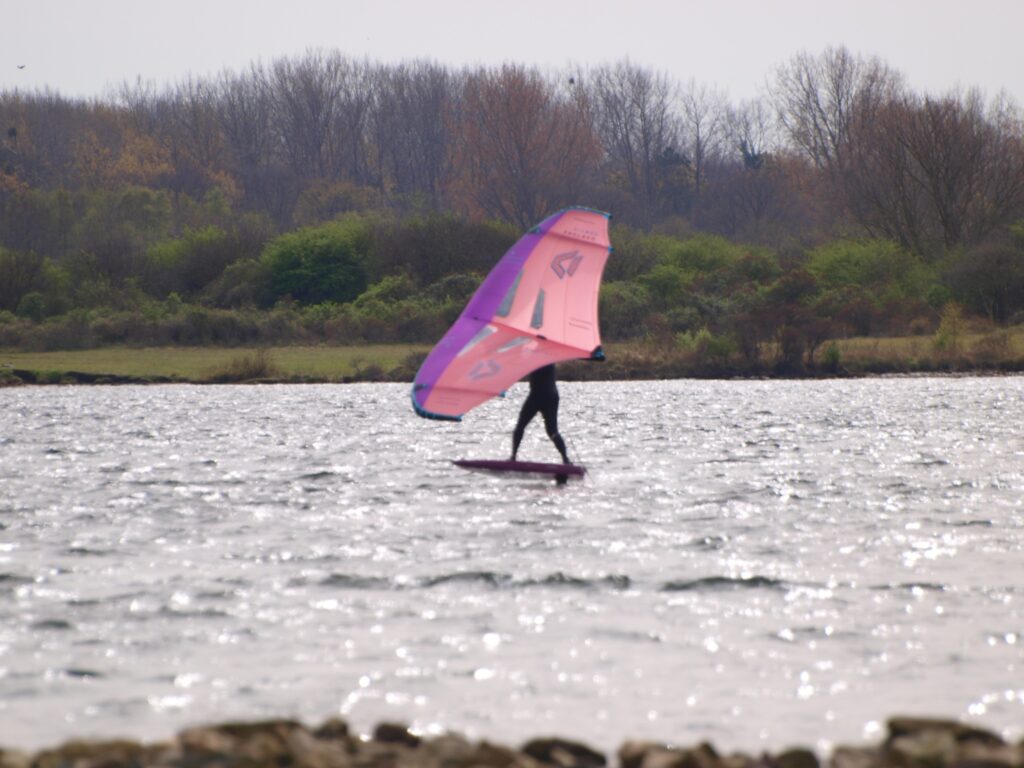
[838, 168]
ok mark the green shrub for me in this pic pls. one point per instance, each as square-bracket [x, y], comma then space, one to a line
[989, 277]
[635, 253]
[250, 366]
[457, 288]
[389, 289]
[949, 335]
[32, 306]
[623, 307]
[891, 272]
[430, 248]
[172, 304]
[118, 225]
[938, 296]
[1017, 232]
[15, 331]
[19, 274]
[706, 347]
[326, 200]
[191, 262]
[717, 349]
[831, 358]
[70, 331]
[315, 318]
[241, 284]
[318, 264]
[667, 284]
[993, 347]
[684, 318]
[699, 253]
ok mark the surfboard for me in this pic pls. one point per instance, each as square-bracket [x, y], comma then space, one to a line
[523, 467]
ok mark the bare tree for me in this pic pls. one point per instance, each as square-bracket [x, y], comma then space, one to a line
[40, 130]
[525, 149]
[638, 129]
[933, 173]
[196, 122]
[412, 126]
[761, 189]
[821, 103]
[349, 144]
[142, 104]
[881, 188]
[306, 98]
[243, 109]
[817, 99]
[971, 168]
[752, 132]
[190, 135]
[254, 150]
[705, 130]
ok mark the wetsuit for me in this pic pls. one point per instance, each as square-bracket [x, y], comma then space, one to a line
[543, 399]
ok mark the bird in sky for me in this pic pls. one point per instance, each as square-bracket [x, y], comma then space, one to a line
[21, 66]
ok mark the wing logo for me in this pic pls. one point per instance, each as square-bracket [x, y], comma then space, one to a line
[566, 263]
[484, 370]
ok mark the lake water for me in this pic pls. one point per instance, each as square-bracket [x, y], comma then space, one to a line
[758, 564]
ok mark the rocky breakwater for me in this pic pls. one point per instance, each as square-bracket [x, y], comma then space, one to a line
[911, 743]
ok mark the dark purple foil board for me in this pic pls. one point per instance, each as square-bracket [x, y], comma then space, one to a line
[526, 467]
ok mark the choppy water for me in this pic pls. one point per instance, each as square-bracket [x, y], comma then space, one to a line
[754, 563]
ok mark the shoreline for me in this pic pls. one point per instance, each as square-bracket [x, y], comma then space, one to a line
[26, 378]
[80, 370]
[910, 742]
[17, 377]
[320, 364]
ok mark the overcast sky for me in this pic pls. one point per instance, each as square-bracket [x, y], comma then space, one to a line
[84, 48]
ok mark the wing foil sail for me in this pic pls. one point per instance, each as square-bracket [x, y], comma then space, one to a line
[537, 306]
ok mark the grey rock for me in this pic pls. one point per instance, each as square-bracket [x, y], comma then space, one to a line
[448, 751]
[333, 728]
[564, 753]
[263, 743]
[490, 755]
[960, 732]
[796, 758]
[652, 755]
[973, 754]
[923, 749]
[13, 758]
[855, 757]
[396, 733]
[99, 754]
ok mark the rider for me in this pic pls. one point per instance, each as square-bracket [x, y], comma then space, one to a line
[543, 399]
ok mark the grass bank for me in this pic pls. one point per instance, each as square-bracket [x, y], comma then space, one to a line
[987, 350]
[980, 350]
[209, 364]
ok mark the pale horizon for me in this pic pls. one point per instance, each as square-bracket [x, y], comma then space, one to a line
[86, 51]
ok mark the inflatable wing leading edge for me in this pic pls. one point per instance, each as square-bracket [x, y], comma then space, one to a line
[537, 306]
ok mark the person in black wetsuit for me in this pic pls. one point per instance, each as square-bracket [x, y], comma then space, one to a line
[543, 399]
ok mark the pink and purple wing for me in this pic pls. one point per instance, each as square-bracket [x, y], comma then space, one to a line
[537, 306]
